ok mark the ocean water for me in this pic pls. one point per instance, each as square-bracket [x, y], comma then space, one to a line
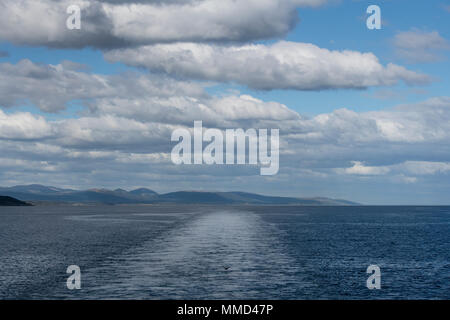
[189, 252]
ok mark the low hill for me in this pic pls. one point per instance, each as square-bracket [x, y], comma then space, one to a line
[10, 202]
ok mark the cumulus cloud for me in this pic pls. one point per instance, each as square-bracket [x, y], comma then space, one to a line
[111, 24]
[420, 46]
[117, 127]
[423, 122]
[23, 126]
[52, 87]
[360, 169]
[405, 171]
[283, 65]
[220, 112]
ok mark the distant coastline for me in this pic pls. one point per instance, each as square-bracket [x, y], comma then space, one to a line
[39, 195]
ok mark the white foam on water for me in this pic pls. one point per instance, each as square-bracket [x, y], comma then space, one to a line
[216, 255]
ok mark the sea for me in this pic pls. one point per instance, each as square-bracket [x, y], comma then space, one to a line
[224, 252]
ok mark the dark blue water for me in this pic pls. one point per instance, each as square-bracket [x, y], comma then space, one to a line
[170, 252]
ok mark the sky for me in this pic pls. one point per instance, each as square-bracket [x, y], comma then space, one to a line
[363, 114]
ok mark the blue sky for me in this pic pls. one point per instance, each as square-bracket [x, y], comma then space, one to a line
[380, 141]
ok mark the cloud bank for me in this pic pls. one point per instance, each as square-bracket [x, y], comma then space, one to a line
[113, 24]
[124, 132]
[283, 65]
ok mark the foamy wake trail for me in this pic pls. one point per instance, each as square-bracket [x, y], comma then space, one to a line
[190, 262]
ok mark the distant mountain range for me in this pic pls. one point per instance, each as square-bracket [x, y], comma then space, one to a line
[39, 193]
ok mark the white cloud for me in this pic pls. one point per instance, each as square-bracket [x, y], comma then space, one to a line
[359, 168]
[227, 111]
[52, 87]
[424, 122]
[108, 24]
[420, 46]
[283, 65]
[400, 171]
[23, 126]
